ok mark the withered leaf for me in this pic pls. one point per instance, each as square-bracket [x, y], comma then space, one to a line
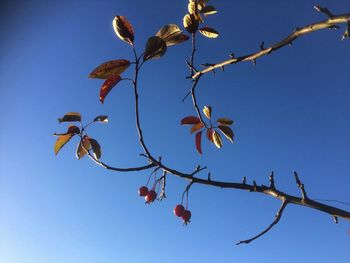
[190, 120]
[207, 111]
[108, 85]
[227, 131]
[190, 23]
[81, 152]
[217, 139]
[61, 141]
[96, 148]
[101, 118]
[172, 35]
[113, 67]
[208, 10]
[70, 117]
[155, 48]
[199, 141]
[123, 29]
[225, 121]
[209, 32]
[197, 127]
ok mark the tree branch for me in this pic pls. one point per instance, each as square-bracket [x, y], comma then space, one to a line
[277, 219]
[330, 22]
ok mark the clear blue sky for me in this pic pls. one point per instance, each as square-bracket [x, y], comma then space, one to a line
[291, 113]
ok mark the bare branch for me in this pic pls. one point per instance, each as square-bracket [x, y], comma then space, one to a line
[300, 185]
[277, 219]
[334, 20]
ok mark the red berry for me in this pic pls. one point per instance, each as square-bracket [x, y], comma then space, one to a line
[143, 191]
[186, 216]
[179, 210]
[151, 196]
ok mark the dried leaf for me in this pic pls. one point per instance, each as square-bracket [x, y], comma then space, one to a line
[225, 121]
[81, 152]
[70, 117]
[197, 127]
[61, 141]
[101, 118]
[113, 67]
[190, 120]
[210, 135]
[123, 29]
[190, 23]
[96, 148]
[207, 111]
[199, 141]
[172, 35]
[155, 47]
[108, 86]
[217, 139]
[209, 32]
[73, 129]
[227, 131]
[208, 10]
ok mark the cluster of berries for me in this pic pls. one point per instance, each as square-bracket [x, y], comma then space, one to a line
[185, 214]
[149, 195]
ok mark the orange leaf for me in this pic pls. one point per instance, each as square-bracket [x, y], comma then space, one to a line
[113, 67]
[210, 135]
[207, 111]
[70, 117]
[108, 85]
[62, 140]
[197, 127]
[123, 29]
[225, 121]
[199, 141]
[190, 120]
[217, 139]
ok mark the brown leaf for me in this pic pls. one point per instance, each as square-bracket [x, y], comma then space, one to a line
[207, 111]
[199, 141]
[227, 131]
[197, 127]
[108, 86]
[190, 23]
[123, 29]
[73, 129]
[190, 120]
[81, 152]
[209, 32]
[70, 117]
[225, 121]
[210, 135]
[155, 48]
[96, 148]
[61, 141]
[172, 35]
[217, 139]
[208, 10]
[101, 118]
[113, 67]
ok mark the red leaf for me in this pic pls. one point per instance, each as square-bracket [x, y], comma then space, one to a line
[197, 127]
[199, 141]
[108, 85]
[190, 120]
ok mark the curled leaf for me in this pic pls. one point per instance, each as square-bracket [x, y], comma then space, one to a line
[101, 118]
[73, 129]
[217, 139]
[190, 120]
[207, 111]
[209, 32]
[225, 121]
[190, 23]
[81, 152]
[108, 86]
[197, 127]
[227, 131]
[96, 148]
[113, 67]
[155, 48]
[61, 141]
[199, 141]
[172, 35]
[70, 117]
[123, 29]
[208, 10]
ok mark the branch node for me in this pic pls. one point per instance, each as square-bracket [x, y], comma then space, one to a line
[262, 45]
[255, 185]
[232, 55]
[209, 178]
[347, 32]
[244, 180]
[335, 219]
[300, 185]
[254, 62]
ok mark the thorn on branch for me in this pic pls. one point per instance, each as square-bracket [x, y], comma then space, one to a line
[209, 178]
[290, 43]
[335, 219]
[324, 11]
[300, 185]
[262, 45]
[347, 32]
[232, 55]
[222, 68]
[254, 62]
[272, 180]
[255, 185]
[244, 180]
